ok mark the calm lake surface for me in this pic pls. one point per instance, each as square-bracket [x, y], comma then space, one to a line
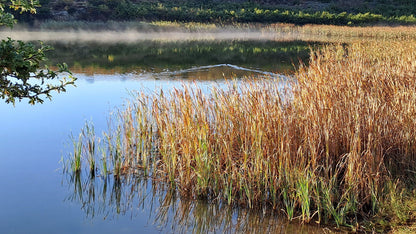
[37, 197]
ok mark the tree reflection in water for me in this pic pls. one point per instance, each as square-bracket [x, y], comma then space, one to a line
[109, 196]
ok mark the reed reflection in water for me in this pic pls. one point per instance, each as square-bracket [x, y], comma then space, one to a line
[108, 197]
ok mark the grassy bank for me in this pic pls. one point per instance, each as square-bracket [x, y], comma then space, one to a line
[336, 145]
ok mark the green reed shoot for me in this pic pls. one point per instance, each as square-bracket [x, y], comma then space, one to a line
[76, 155]
[88, 134]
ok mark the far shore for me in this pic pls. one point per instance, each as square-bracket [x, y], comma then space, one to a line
[174, 31]
[133, 35]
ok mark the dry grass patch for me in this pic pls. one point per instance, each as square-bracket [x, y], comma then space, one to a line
[337, 144]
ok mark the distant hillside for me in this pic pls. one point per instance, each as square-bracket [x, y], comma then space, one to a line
[355, 12]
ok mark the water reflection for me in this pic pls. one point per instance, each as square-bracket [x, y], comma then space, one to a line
[159, 56]
[107, 197]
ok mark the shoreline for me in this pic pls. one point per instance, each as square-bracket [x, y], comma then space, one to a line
[174, 31]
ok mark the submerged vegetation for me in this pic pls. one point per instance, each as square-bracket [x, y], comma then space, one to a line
[335, 144]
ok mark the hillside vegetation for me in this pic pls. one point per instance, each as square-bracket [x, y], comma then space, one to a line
[338, 12]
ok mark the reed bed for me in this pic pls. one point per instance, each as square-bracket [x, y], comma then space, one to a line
[335, 144]
[380, 32]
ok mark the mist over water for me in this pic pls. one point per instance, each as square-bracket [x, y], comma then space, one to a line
[173, 49]
[132, 36]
